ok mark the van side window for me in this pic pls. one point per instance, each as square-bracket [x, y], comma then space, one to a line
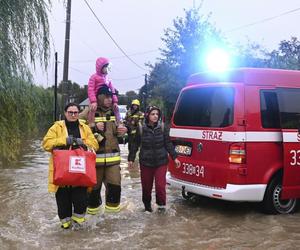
[205, 107]
[289, 106]
[269, 109]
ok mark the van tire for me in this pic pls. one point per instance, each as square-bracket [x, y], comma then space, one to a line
[272, 204]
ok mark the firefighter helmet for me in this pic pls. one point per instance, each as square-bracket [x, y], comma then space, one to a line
[135, 102]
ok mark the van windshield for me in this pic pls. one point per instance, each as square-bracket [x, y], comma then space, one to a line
[205, 107]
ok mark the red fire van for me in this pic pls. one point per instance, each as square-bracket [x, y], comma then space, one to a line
[237, 137]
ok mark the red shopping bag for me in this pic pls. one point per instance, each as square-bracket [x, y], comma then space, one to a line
[74, 167]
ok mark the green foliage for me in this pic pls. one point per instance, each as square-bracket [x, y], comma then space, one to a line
[287, 56]
[127, 98]
[250, 55]
[24, 109]
[24, 33]
[72, 90]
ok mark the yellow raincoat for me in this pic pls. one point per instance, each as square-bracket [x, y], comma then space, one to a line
[56, 136]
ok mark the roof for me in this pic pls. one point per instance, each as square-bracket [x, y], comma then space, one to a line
[86, 102]
[249, 76]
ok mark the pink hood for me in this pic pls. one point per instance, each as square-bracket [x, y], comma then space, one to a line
[100, 62]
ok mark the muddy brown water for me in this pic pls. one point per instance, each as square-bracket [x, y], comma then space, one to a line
[28, 218]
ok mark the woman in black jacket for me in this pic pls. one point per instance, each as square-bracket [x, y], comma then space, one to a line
[155, 144]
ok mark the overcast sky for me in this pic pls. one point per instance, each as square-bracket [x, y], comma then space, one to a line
[138, 25]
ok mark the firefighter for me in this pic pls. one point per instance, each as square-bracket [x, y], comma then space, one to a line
[108, 156]
[71, 200]
[133, 119]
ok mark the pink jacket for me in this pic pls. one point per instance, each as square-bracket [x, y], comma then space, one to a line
[98, 79]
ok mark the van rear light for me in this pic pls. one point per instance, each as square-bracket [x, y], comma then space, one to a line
[237, 153]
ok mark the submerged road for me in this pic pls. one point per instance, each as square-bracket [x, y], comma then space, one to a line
[29, 219]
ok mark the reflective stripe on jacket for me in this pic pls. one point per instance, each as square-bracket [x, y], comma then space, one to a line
[111, 158]
[132, 121]
[110, 144]
[105, 119]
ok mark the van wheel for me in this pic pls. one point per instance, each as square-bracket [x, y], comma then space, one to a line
[272, 204]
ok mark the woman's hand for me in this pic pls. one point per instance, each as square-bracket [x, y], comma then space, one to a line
[130, 164]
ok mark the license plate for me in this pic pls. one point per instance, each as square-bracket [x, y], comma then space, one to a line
[183, 149]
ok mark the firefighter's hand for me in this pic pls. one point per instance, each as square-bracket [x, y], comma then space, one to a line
[100, 126]
[93, 106]
[121, 130]
[177, 162]
[130, 164]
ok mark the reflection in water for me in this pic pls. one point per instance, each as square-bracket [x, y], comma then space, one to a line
[28, 218]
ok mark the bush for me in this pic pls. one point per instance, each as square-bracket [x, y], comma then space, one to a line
[25, 109]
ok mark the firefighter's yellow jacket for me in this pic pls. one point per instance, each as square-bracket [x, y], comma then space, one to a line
[56, 137]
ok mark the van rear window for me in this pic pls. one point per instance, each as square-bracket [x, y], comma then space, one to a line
[205, 107]
[269, 109]
[289, 106]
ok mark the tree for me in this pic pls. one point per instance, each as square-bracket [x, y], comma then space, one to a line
[186, 44]
[250, 55]
[24, 33]
[73, 90]
[287, 56]
[127, 98]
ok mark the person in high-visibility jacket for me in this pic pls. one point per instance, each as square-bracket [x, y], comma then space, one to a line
[133, 119]
[71, 200]
[106, 130]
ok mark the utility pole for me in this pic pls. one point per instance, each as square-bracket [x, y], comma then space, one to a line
[65, 96]
[146, 92]
[55, 89]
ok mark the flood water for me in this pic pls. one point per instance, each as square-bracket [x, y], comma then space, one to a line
[28, 218]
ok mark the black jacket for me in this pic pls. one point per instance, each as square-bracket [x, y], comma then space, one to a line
[155, 144]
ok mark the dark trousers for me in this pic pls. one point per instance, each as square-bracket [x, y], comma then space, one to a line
[69, 197]
[131, 140]
[148, 175]
[111, 177]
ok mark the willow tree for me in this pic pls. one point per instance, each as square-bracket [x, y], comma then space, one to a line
[24, 41]
[24, 36]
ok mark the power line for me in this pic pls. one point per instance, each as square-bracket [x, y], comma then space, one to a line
[263, 20]
[107, 32]
[118, 57]
[78, 70]
[137, 54]
[121, 79]
[131, 78]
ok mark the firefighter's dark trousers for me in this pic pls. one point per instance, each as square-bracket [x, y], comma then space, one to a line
[158, 175]
[69, 197]
[131, 141]
[111, 177]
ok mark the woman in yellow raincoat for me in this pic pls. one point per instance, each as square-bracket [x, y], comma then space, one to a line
[61, 135]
